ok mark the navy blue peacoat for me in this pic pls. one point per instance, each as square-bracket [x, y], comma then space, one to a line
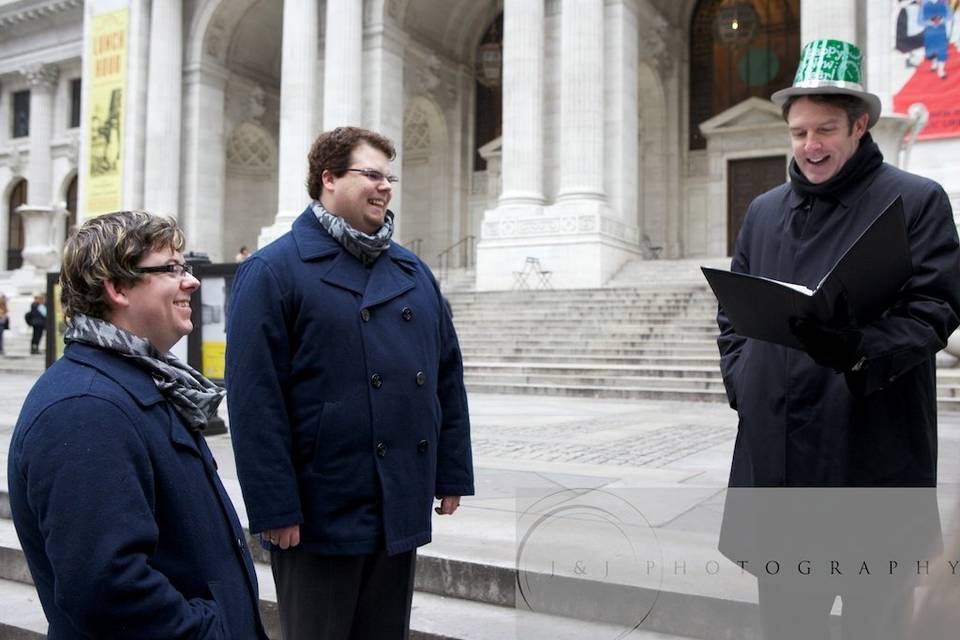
[801, 424]
[125, 525]
[348, 412]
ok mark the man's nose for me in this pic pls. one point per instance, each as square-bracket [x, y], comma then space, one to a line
[189, 282]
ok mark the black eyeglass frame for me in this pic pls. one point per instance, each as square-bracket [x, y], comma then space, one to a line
[373, 173]
[178, 268]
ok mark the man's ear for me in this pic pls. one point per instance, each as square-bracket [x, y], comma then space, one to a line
[860, 126]
[328, 179]
[116, 295]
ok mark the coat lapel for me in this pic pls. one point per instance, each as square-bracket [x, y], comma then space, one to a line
[389, 277]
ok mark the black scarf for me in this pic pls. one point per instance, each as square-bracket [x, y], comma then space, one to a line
[862, 163]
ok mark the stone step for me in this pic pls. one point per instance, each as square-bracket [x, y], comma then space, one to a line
[601, 391]
[437, 613]
[560, 344]
[611, 371]
[630, 356]
[607, 382]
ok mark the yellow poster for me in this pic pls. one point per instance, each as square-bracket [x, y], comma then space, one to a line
[213, 355]
[107, 78]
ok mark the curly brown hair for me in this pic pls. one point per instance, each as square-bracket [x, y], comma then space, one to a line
[331, 151]
[108, 248]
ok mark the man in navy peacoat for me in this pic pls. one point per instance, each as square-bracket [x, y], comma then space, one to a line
[347, 405]
[126, 528]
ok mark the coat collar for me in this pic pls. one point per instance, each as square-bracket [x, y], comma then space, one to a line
[132, 378]
[134, 381]
[377, 284]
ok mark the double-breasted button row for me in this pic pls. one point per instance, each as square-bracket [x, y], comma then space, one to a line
[406, 313]
[422, 446]
[381, 449]
[376, 380]
[421, 378]
[365, 315]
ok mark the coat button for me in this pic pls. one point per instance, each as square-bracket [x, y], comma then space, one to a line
[381, 449]
[422, 446]
[406, 313]
[421, 378]
[376, 381]
[365, 315]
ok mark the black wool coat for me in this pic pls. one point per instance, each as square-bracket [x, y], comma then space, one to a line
[802, 424]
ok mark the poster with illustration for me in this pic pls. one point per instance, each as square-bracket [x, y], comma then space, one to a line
[928, 38]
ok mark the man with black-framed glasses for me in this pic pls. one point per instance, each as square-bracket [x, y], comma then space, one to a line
[348, 411]
[126, 528]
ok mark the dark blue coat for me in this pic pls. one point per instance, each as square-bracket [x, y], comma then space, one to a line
[126, 528]
[348, 412]
[801, 424]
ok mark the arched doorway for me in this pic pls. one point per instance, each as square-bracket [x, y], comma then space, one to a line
[15, 237]
[70, 222]
[729, 65]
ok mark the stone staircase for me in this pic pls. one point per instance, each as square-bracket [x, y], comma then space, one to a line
[16, 356]
[651, 334]
[463, 592]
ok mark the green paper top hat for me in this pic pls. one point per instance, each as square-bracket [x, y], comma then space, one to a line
[830, 67]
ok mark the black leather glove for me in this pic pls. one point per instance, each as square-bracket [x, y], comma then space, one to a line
[837, 348]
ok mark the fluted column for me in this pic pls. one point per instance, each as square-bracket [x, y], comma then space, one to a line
[43, 82]
[581, 100]
[298, 74]
[343, 64]
[164, 104]
[835, 19]
[39, 216]
[522, 163]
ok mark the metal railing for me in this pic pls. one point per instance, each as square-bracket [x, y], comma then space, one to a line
[461, 253]
[414, 245]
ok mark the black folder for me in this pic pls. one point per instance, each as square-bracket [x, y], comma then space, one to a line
[869, 275]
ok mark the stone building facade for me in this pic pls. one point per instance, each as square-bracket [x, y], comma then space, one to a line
[577, 151]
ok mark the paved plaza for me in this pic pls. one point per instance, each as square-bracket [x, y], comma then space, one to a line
[666, 461]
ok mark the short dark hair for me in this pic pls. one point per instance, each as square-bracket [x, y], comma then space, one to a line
[109, 247]
[853, 106]
[331, 151]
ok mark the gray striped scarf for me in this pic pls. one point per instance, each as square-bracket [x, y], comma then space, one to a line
[193, 396]
[363, 247]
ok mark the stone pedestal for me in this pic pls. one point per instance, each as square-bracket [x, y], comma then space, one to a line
[40, 224]
[889, 134]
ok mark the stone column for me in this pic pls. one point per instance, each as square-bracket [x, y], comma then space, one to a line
[343, 65]
[39, 215]
[581, 101]
[298, 77]
[164, 104]
[836, 19]
[522, 168]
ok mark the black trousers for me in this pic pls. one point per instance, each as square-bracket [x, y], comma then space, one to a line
[35, 340]
[883, 612]
[364, 597]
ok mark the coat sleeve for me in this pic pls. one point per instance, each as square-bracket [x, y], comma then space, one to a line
[927, 310]
[454, 453]
[257, 373]
[90, 484]
[729, 343]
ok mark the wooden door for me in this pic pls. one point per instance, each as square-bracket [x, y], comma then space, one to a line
[746, 179]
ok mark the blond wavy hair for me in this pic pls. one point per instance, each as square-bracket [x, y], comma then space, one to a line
[108, 248]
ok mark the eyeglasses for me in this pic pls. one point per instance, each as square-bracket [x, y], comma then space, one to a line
[177, 268]
[376, 176]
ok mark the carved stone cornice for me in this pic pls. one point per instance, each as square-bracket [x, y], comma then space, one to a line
[41, 76]
[22, 12]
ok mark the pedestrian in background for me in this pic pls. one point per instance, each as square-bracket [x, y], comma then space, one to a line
[36, 318]
[4, 319]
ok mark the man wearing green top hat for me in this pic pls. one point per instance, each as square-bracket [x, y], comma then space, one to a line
[857, 407]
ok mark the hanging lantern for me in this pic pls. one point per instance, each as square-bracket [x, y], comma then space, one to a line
[489, 64]
[736, 22]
